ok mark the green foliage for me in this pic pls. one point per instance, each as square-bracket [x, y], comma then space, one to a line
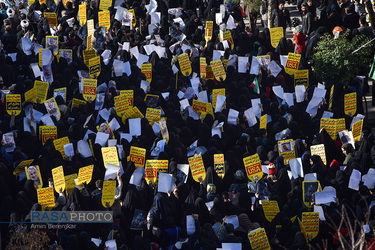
[334, 61]
[252, 5]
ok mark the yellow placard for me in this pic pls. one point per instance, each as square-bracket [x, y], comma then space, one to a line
[105, 4]
[209, 73]
[110, 156]
[82, 14]
[153, 167]
[87, 55]
[30, 96]
[292, 63]
[46, 197]
[90, 27]
[197, 167]
[153, 115]
[219, 165]
[21, 167]
[146, 69]
[270, 209]
[253, 167]
[301, 77]
[319, 150]
[104, 19]
[13, 104]
[128, 94]
[227, 36]
[33, 173]
[51, 18]
[94, 66]
[208, 30]
[202, 67]
[216, 92]
[85, 175]
[76, 102]
[331, 97]
[48, 132]
[138, 156]
[330, 126]
[218, 70]
[132, 113]
[89, 89]
[308, 190]
[59, 145]
[350, 104]
[134, 21]
[185, 65]
[286, 150]
[263, 122]
[303, 230]
[357, 130]
[122, 103]
[310, 221]
[276, 35]
[164, 129]
[199, 106]
[258, 239]
[58, 178]
[108, 194]
[89, 42]
[41, 91]
[69, 183]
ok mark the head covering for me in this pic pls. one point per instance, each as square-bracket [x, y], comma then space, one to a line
[272, 169]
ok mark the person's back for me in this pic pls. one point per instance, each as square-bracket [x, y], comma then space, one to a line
[364, 29]
[351, 19]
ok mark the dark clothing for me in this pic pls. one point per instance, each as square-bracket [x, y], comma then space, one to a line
[307, 23]
[280, 18]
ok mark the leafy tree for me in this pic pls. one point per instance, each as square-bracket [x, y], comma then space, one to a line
[252, 7]
[339, 60]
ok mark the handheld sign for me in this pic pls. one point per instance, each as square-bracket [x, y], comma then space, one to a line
[153, 168]
[270, 209]
[276, 35]
[219, 165]
[292, 63]
[108, 193]
[110, 156]
[286, 150]
[197, 168]
[350, 104]
[301, 77]
[310, 221]
[94, 65]
[13, 104]
[253, 167]
[258, 239]
[319, 150]
[185, 65]
[89, 89]
[58, 179]
[138, 156]
[146, 69]
[218, 70]
[85, 175]
[202, 67]
[46, 197]
[208, 30]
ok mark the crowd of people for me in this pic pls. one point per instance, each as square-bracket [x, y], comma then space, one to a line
[159, 32]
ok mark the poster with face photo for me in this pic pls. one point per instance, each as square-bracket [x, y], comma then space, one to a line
[52, 108]
[33, 173]
[8, 142]
[47, 73]
[67, 54]
[52, 43]
[99, 101]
